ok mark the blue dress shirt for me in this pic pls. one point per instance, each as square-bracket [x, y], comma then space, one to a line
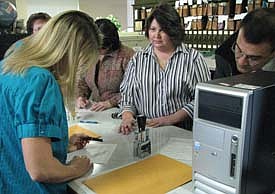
[31, 105]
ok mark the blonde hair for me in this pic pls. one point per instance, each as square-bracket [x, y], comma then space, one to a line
[67, 45]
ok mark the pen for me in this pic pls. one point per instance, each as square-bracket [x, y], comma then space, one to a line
[92, 138]
[88, 121]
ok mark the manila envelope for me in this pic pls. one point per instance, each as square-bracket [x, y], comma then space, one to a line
[77, 129]
[155, 175]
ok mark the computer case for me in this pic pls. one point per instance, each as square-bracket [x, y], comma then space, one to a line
[234, 135]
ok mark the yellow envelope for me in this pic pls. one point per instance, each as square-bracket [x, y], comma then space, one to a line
[77, 129]
[155, 175]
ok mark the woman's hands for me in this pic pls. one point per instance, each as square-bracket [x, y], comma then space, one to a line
[81, 164]
[100, 106]
[45, 167]
[77, 142]
[82, 102]
[157, 122]
[172, 119]
[127, 123]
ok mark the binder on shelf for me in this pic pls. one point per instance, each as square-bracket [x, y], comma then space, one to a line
[139, 26]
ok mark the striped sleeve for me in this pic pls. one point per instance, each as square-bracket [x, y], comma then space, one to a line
[127, 88]
[201, 74]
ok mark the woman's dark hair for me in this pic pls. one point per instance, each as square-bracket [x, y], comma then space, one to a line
[169, 21]
[36, 16]
[259, 26]
[111, 40]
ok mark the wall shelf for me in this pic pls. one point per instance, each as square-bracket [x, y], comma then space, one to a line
[207, 25]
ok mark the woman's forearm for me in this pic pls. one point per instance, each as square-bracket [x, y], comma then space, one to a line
[42, 166]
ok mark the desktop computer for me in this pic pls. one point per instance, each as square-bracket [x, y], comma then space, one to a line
[234, 135]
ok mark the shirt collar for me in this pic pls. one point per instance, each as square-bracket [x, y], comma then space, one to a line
[179, 49]
[270, 66]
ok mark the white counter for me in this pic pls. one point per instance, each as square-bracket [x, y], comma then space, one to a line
[107, 127]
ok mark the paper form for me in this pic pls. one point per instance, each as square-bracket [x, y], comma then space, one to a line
[98, 153]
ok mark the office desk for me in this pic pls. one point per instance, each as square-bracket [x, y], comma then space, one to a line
[108, 127]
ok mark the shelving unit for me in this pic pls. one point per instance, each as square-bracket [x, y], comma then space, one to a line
[207, 25]
[142, 9]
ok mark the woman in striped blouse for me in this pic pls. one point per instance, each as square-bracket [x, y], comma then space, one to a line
[160, 80]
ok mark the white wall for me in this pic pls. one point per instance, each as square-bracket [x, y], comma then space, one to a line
[26, 7]
[130, 22]
[103, 8]
[121, 9]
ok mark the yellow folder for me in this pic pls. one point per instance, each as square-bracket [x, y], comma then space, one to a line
[155, 175]
[77, 129]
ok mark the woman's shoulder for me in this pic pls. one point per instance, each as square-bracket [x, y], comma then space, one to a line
[39, 74]
[126, 51]
[188, 50]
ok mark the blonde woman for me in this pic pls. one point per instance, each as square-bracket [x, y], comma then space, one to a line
[33, 125]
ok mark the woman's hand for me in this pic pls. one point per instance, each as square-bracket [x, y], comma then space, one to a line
[127, 123]
[81, 164]
[126, 126]
[177, 117]
[100, 106]
[82, 102]
[77, 141]
[157, 122]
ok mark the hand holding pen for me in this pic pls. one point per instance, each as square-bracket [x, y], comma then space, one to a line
[79, 141]
[88, 138]
[83, 102]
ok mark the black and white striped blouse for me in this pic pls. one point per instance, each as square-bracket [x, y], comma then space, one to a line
[149, 90]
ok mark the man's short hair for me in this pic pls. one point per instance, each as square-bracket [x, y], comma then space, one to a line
[259, 26]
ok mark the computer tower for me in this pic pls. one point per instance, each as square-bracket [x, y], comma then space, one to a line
[234, 135]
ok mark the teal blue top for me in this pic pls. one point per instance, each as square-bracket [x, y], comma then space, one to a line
[31, 105]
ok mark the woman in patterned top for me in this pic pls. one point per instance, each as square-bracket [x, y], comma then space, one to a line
[102, 81]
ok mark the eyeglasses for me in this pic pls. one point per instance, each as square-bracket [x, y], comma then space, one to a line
[253, 60]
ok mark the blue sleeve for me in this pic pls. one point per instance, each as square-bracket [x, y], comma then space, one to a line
[40, 110]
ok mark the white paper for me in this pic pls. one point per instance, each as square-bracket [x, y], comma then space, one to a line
[239, 16]
[177, 4]
[183, 147]
[222, 18]
[190, 2]
[98, 153]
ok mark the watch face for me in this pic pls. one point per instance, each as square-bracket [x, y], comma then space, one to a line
[8, 14]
